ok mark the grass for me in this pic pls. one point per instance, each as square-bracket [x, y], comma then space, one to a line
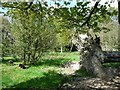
[43, 75]
[6, 59]
[47, 81]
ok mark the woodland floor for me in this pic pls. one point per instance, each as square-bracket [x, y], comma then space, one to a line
[91, 82]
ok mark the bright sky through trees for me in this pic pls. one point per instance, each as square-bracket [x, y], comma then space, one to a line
[72, 2]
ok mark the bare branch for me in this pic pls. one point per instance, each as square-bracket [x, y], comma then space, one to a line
[119, 11]
[92, 11]
[29, 5]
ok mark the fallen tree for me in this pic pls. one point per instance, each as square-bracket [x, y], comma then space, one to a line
[91, 55]
[80, 18]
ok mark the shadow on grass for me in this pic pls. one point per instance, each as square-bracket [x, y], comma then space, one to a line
[5, 61]
[83, 73]
[51, 62]
[50, 81]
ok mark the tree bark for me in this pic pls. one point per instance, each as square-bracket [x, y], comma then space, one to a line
[119, 25]
[91, 55]
[119, 11]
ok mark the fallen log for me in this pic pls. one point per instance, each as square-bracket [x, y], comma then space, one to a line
[113, 56]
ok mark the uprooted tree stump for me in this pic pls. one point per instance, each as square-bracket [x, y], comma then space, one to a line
[91, 55]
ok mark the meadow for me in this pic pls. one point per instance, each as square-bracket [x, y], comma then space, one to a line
[45, 74]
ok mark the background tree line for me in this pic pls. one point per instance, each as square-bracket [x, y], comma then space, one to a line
[36, 28]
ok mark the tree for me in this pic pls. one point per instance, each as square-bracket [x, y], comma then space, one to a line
[63, 35]
[7, 39]
[32, 29]
[77, 17]
[81, 18]
[109, 38]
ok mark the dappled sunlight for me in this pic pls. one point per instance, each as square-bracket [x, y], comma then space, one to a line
[54, 45]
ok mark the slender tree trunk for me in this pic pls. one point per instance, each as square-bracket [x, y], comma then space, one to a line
[29, 57]
[71, 48]
[61, 49]
[119, 37]
[24, 56]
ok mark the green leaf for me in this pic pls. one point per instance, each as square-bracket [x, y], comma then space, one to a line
[45, 3]
[86, 3]
[95, 24]
[66, 3]
[97, 29]
[58, 4]
[79, 3]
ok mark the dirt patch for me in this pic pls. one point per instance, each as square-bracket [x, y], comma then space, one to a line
[91, 83]
[69, 68]
[87, 83]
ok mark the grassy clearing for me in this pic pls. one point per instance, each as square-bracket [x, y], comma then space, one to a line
[43, 75]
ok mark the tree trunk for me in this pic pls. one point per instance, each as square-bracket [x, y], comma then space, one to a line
[24, 57]
[119, 37]
[119, 25]
[119, 11]
[91, 55]
[61, 49]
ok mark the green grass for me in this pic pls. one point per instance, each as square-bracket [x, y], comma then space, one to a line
[6, 59]
[74, 56]
[43, 75]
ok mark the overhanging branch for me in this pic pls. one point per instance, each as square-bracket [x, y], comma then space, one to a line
[29, 5]
[119, 12]
[92, 11]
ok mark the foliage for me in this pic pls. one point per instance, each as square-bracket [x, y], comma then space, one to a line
[63, 35]
[109, 40]
[7, 40]
[34, 24]
[77, 17]
[63, 38]
[32, 30]
[108, 36]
